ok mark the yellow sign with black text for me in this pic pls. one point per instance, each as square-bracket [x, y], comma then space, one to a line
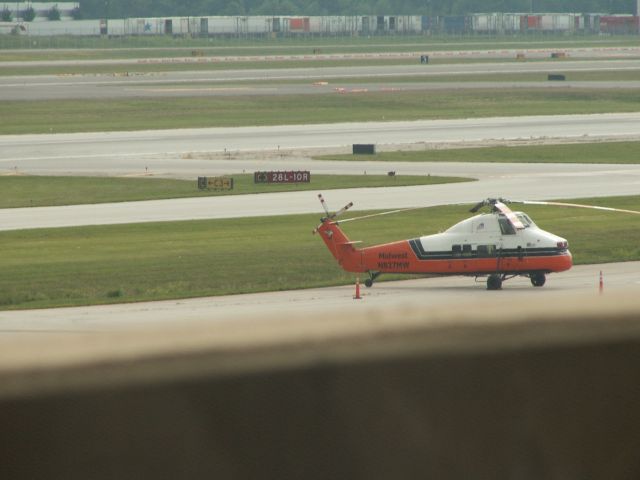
[215, 183]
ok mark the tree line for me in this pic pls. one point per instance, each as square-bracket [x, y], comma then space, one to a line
[160, 8]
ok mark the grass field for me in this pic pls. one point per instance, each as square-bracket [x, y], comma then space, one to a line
[34, 191]
[58, 116]
[152, 261]
[604, 152]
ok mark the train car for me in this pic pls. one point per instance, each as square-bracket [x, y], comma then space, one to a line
[454, 24]
[136, 26]
[511, 22]
[12, 28]
[334, 25]
[485, 23]
[496, 22]
[259, 25]
[62, 27]
[619, 24]
[482, 23]
[367, 24]
[397, 24]
[408, 24]
[299, 25]
[558, 23]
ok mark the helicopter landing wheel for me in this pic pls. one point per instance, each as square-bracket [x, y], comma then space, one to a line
[537, 279]
[494, 282]
[372, 276]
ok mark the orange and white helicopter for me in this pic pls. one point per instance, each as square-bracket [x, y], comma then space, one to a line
[499, 245]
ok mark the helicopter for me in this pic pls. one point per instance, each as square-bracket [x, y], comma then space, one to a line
[499, 245]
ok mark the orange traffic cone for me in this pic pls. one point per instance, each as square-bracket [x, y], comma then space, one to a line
[357, 295]
[601, 283]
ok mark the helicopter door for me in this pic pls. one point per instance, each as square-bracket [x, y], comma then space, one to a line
[489, 252]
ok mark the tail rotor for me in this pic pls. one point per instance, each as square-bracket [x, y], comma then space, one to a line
[331, 216]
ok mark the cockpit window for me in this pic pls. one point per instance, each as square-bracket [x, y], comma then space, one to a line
[526, 221]
[505, 226]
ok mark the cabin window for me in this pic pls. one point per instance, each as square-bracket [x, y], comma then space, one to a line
[486, 251]
[505, 226]
[524, 219]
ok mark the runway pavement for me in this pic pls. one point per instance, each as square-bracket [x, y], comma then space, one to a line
[124, 84]
[97, 151]
[206, 89]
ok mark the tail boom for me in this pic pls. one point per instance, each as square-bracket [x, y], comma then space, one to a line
[342, 249]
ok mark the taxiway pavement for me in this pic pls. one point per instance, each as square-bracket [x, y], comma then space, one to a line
[427, 293]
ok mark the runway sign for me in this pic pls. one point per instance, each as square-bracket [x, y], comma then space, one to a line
[215, 183]
[303, 176]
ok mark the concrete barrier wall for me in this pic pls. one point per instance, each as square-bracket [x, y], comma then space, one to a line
[518, 410]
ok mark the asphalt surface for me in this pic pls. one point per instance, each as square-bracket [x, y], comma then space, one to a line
[98, 151]
[125, 84]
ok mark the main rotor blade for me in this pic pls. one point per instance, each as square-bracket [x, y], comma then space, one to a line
[576, 205]
[324, 205]
[342, 210]
[478, 206]
[511, 217]
[380, 214]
